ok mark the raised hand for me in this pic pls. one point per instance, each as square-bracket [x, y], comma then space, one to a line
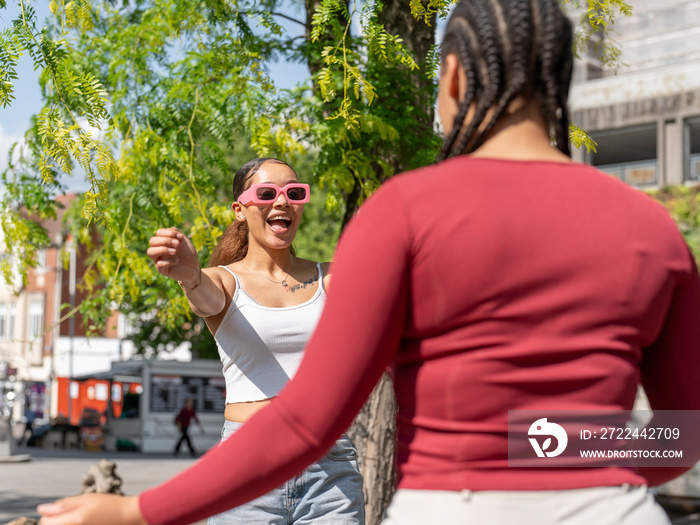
[174, 255]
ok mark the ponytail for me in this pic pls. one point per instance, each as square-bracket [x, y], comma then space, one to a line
[232, 246]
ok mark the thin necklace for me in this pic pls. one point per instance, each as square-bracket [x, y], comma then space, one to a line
[283, 282]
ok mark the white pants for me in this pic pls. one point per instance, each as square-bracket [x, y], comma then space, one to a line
[625, 505]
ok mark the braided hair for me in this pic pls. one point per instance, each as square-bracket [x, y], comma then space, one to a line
[509, 48]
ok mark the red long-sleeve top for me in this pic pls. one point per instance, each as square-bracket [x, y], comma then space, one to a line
[488, 285]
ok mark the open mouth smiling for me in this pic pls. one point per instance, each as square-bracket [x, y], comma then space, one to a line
[279, 223]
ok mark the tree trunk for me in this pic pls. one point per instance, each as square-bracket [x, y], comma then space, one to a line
[372, 432]
[412, 93]
[418, 37]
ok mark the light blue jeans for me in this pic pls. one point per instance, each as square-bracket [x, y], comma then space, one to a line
[329, 491]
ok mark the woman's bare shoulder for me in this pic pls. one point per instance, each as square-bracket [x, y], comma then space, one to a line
[308, 266]
[326, 270]
[225, 281]
[223, 278]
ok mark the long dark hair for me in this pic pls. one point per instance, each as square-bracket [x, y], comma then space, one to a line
[233, 244]
[509, 48]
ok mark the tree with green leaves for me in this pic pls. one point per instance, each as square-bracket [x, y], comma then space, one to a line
[169, 84]
[683, 203]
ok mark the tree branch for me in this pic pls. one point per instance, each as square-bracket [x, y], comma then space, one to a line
[286, 17]
[292, 40]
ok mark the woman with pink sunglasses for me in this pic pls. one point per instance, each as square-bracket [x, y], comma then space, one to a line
[262, 303]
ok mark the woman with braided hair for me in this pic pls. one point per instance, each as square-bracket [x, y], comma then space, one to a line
[503, 278]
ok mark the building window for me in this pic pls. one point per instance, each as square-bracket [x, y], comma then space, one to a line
[3, 321]
[589, 47]
[628, 154]
[41, 260]
[593, 59]
[7, 320]
[11, 315]
[692, 149]
[36, 314]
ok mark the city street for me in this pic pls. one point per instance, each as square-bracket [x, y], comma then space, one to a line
[52, 474]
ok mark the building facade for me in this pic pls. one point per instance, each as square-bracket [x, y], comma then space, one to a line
[645, 117]
[42, 348]
[27, 330]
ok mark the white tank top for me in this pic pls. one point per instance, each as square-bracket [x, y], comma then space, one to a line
[261, 346]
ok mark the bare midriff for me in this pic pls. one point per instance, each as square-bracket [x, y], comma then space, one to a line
[242, 412]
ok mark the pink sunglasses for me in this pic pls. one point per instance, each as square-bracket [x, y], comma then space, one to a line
[264, 193]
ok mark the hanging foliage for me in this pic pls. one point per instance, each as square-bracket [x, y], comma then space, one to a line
[150, 101]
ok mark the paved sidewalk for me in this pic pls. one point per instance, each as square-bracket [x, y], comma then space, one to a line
[53, 474]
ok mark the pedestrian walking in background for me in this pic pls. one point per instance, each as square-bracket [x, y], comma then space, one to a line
[182, 420]
[28, 427]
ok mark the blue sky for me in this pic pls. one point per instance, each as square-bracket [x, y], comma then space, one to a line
[15, 119]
